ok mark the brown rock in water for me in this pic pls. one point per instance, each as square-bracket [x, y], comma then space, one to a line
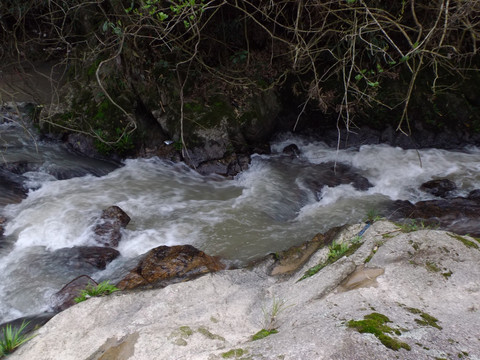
[113, 219]
[166, 265]
[65, 298]
[439, 187]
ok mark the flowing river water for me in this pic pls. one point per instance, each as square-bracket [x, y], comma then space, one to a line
[265, 209]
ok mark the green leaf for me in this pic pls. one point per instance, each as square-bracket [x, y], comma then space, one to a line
[373, 84]
[358, 77]
[404, 58]
[162, 16]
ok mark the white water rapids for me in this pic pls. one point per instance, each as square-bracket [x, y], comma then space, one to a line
[265, 209]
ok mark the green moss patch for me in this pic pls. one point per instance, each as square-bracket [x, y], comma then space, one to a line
[447, 274]
[263, 334]
[375, 324]
[431, 266]
[185, 331]
[205, 332]
[234, 353]
[466, 242]
[426, 319]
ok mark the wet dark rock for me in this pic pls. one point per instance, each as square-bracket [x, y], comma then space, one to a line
[96, 256]
[260, 121]
[460, 215]
[291, 149]
[228, 166]
[166, 265]
[439, 187]
[112, 220]
[19, 167]
[474, 195]
[2, 222]
[65, 298]
[240, 163]
[12, 182]
[331, 174]
[82, 144]
[211, 150]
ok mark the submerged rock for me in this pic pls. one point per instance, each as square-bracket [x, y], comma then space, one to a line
[333, 174]
[166, 265]
[12, 183]
[291, 149]
[440, 187]
[65, 298]
[2, 222]
[228, 166]
[96, 256]
[20, 167]
[474, 195]
[112, 220]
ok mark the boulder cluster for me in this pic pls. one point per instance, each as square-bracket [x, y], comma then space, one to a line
[159, 267]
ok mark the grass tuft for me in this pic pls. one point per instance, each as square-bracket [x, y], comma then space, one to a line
[412, 225]
[336, 251]
[372, 216]
[12, 338]
[102, 289]
[263, 334]
[466, 242]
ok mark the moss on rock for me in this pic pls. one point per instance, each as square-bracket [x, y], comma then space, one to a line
[375, 323]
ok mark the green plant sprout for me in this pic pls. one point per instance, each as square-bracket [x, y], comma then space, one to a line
[12, 338]
[411, 226]
[102, 289]
[270, 315]
[372, 216]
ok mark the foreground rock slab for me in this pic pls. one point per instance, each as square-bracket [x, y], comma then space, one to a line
[425, 283]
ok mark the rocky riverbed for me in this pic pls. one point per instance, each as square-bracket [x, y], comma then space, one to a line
[418, 292]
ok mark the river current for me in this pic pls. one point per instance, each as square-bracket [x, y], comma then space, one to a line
[265, 209]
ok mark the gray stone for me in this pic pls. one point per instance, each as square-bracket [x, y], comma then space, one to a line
[426, 272]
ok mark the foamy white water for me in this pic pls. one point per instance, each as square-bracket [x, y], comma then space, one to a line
[268, 208]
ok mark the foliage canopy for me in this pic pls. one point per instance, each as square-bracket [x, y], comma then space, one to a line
[336, 56]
